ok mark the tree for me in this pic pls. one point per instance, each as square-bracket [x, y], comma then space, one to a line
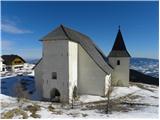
[20, 94]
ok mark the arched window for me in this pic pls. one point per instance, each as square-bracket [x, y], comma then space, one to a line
[118, 62]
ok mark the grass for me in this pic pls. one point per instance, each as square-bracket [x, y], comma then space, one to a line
[35, 115]
[57, 112]
[116, 104]
[11, 113]
[84, 115]
[33, 109]
[51, 108]
[74, 114]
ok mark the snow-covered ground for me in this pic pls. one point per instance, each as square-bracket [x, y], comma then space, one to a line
[136, 101]
[128, 102]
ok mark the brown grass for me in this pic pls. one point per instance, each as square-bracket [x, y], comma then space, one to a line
[11, 113]
[33, 109]
[51, 108]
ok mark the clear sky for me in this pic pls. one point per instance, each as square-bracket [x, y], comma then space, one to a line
[24, 23]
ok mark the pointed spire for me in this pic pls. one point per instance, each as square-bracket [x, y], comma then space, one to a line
[119, 42]
[119, 48]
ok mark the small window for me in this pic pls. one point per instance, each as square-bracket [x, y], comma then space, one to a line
[118, 62]
[54, 75]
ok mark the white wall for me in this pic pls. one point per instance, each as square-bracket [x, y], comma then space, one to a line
[14, 67]
[1, 61]
[91, 79]
[73, 67]
[120, 75]
[107, 83]
[55, 59]
[39, 78]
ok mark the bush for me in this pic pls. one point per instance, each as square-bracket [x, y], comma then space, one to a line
[51, 108]
[10, 114]
[84, 115]
[35, 115]
[33, 108]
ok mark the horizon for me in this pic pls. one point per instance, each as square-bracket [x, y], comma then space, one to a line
[21, 28]
[30, 59]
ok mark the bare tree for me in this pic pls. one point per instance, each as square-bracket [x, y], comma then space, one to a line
[20, 93]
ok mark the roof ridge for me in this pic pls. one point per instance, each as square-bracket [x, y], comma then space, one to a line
[65, 32]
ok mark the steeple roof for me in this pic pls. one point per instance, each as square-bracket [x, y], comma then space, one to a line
[64, 33]
[119, 48]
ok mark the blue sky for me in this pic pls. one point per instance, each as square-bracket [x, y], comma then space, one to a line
[24, 23]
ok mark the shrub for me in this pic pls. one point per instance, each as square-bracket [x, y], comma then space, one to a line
[51, 108]
[10, 114]
[33, 108]
[84, 115]
[35, 115]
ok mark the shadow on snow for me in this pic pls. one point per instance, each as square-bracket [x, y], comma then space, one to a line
[19, 85]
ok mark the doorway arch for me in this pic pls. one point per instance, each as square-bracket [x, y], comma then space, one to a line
[55, 95]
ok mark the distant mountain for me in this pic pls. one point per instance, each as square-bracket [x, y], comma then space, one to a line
[145, 65]
[32, 61]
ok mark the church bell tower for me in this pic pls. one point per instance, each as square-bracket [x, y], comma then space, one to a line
[119, 59]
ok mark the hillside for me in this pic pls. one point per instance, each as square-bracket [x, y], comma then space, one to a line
[136, 101]
[136, 76]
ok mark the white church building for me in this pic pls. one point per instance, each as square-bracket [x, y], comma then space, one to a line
[71, 63]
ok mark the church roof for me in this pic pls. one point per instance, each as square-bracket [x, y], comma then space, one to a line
[119, 48]
[64, 33]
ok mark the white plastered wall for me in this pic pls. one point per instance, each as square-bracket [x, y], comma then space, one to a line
[91, 78]
[73, 67]
[39, 79]
[1, 63]
[107, 83]
[120, 75]
[55, 59]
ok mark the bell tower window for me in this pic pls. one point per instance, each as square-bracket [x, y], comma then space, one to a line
[118, 62]
[54, 75]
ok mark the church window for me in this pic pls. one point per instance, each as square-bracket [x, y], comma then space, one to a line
[118, 62]
[54, 75]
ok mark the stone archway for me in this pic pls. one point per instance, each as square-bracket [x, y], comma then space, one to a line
[55, 95]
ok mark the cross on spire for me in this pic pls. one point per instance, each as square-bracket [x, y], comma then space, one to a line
[119, 27]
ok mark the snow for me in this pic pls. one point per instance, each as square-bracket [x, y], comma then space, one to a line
[81, 110]
[90, 98]
[122, 91]
[86, 107]
[149, 112]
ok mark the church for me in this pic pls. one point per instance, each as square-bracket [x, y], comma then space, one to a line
[72, 64]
